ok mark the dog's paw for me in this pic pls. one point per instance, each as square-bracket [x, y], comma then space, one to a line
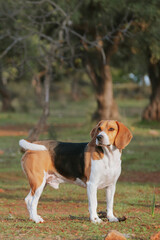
[112, 219]
[96, 220]
[38, 219]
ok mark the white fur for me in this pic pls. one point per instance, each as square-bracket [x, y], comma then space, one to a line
[28, 201]
[54, 180]
[32, 202]
[110, 191]
[105, 138]
[80, 183]
[31, 146]
[104, 174]
[92, 200]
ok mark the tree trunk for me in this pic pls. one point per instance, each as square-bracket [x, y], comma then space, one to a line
[37, 83]
[98, 68]
[6, 97]
[152, 111]
[75, 90]
[39, 128]
[102, 82]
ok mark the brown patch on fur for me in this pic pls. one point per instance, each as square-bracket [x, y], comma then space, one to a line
[49, 144]
[87, 163]
[94, 131]
[123, 137]
[120, 136]
[105, 126]
[34, 164]
[97, 153]
[111, 124]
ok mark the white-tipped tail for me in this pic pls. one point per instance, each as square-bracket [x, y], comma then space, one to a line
[31, 146]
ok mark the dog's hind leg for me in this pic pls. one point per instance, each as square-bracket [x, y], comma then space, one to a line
[33, 202]
[28, 201]
[36, 165]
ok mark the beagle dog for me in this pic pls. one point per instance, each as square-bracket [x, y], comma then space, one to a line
[94, 165]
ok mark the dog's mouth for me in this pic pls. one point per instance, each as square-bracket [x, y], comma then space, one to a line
[103, 145]
[100, 142]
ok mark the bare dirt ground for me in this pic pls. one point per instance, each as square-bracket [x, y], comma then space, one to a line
[141, 177]
[23, 130]
[14, 130]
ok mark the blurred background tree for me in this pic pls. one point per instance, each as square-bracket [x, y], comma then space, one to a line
[127, 28]
[49, 42]
[34, 44]
[144, 52]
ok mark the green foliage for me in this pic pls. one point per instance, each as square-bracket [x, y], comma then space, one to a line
[68, 33]
[31, 30]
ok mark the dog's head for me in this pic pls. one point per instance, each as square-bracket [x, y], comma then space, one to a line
[111, 132]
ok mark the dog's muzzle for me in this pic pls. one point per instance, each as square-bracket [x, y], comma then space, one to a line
[99, 140]
[102, 141]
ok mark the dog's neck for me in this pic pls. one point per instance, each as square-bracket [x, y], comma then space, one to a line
[112, 153]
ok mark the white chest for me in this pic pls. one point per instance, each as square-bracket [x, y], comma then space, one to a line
[106, 171]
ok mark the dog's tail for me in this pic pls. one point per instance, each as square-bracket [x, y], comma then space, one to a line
[31, 146]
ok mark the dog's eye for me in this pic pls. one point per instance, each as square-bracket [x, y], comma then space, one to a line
[99, 129]
[111, 129]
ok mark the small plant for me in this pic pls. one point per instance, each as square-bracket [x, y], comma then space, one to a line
[153, 202]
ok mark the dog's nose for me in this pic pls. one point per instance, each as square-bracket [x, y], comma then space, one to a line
[99, 137]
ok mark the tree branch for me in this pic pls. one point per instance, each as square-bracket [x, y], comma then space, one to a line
[10, 47]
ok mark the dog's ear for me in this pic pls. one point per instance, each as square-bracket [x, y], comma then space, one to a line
[92, 133]
[94, 130]
[123, 137]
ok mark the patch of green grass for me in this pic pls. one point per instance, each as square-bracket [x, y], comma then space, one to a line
[19, 118]
[71, 122]
[56, 206]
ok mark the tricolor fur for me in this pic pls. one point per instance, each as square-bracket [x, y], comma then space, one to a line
[94, 165]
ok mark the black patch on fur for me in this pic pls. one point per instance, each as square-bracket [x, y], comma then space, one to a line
[99, 149]
[69, 159]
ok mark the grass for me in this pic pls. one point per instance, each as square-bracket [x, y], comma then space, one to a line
[66, 210]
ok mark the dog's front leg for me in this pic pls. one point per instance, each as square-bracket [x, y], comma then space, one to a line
[110, 191]
[92, 199]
